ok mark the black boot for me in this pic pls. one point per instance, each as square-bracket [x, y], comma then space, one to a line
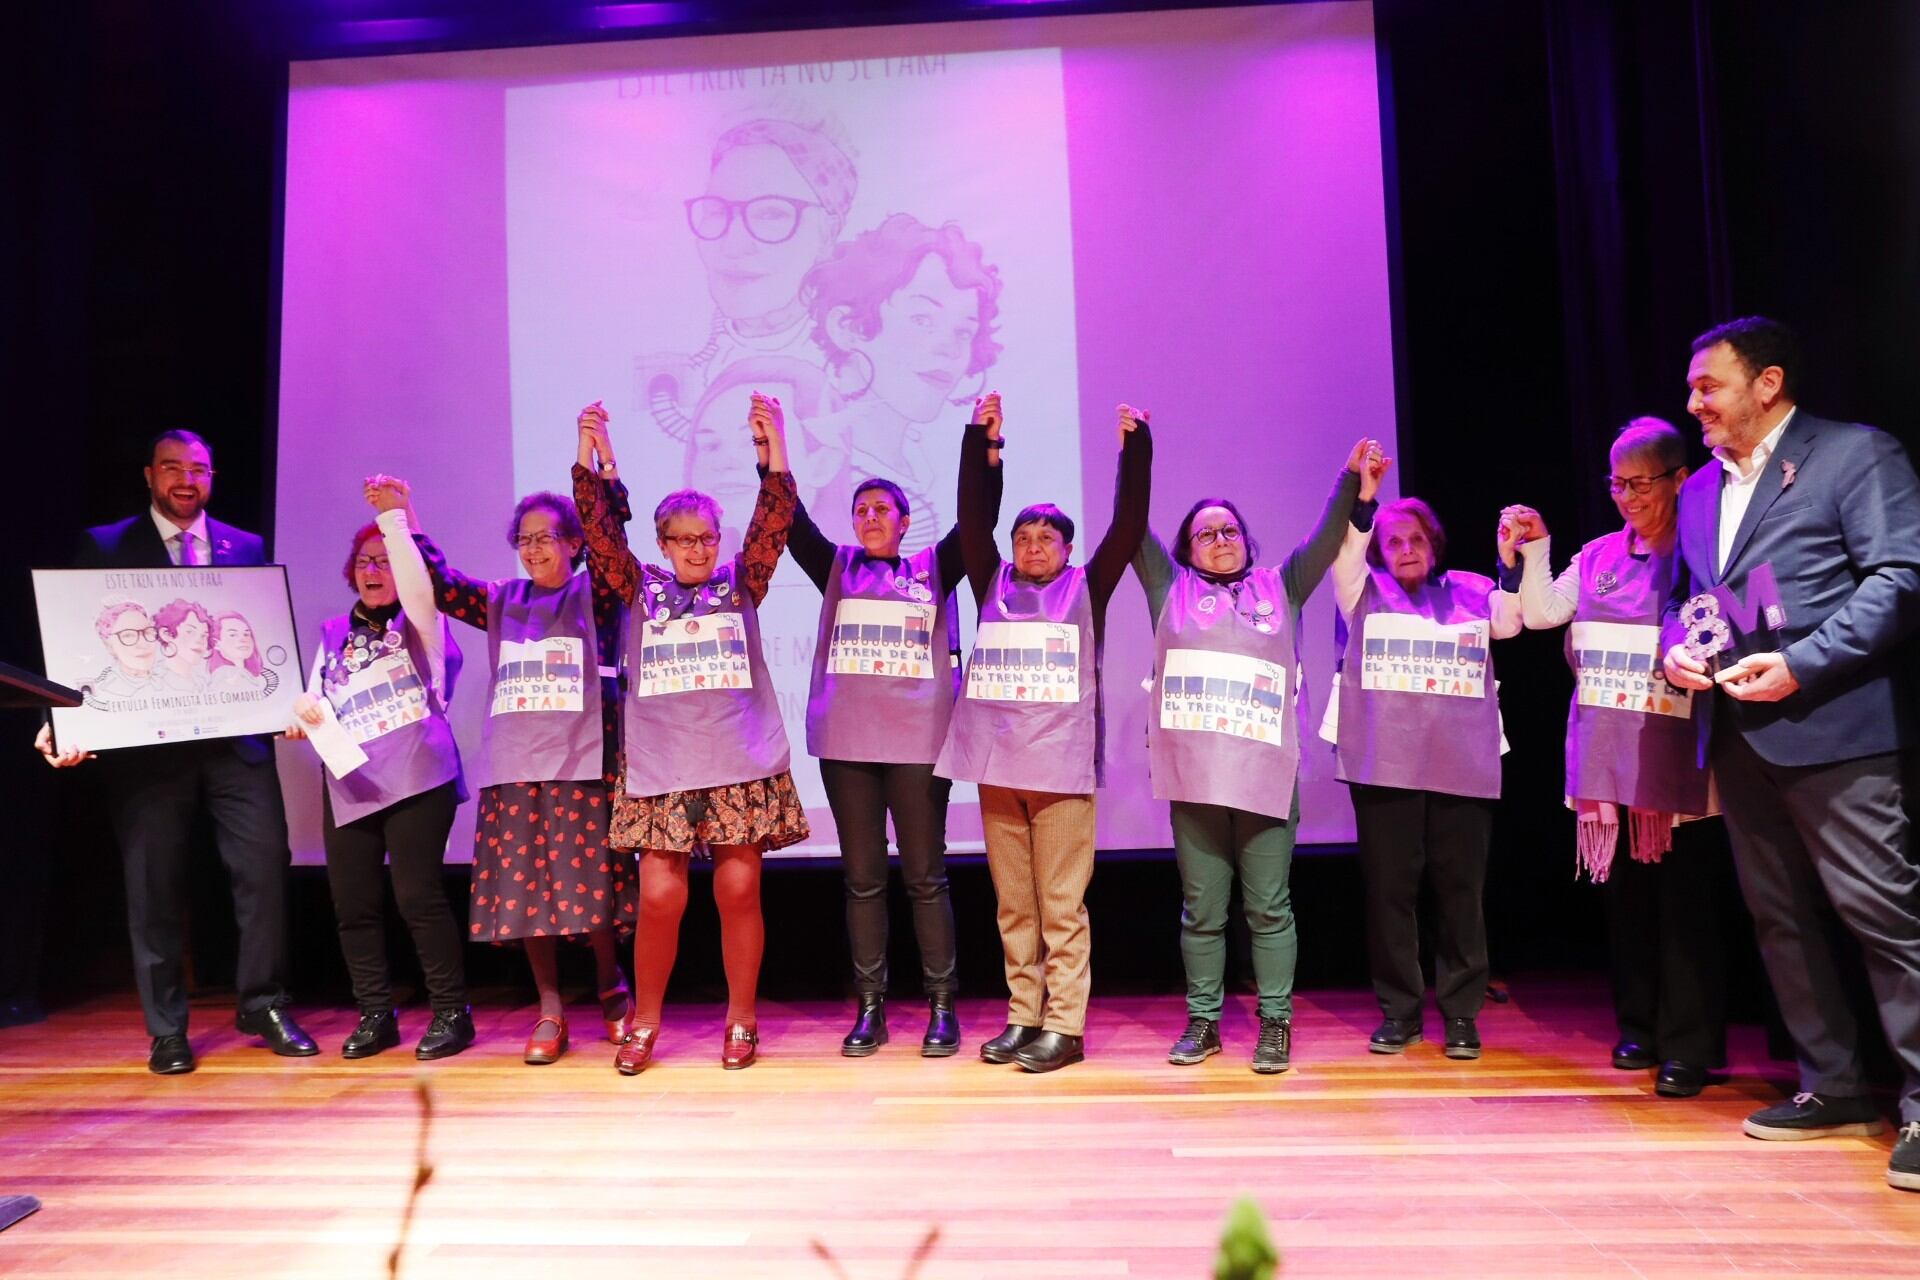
[943, 1029]
[869, 1028]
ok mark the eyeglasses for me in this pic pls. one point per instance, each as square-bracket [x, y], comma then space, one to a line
[527, 540]
[768, 219]
[133, 635]
[1617, 485]
[688, 541]
[1227, 533]
[174, 470]
[372, 562]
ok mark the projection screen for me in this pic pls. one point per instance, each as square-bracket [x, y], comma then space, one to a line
[1183, 211]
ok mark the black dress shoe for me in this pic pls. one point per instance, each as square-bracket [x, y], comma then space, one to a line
[450, 1031]
[943, 1029]
[1631, 1055]
[1463, 1038]
[282, 1034]
[376, 1033]
[1680, 1080]
[1393, 1035]
[1200, 1041]
[1009, 1042]
[869, 1028]
[170, 1056]
[1049, 1051]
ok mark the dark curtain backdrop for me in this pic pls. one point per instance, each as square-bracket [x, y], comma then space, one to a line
[1578, 187]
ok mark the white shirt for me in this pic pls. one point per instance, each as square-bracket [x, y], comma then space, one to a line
[171, 534]
[1737, 484]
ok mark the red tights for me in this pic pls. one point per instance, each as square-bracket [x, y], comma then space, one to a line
[663, 900]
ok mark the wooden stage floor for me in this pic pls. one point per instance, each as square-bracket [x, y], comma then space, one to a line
[1539, 1160]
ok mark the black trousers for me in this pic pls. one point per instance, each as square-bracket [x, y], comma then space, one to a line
[1820, 848]
[155, 794]
[1407, 837]
[1667, 936]
[861, 796]
[414, 833]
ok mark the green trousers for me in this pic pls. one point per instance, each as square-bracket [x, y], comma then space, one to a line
[1210, 842]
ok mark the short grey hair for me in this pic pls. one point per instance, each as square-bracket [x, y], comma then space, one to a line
[685, 502]
[1651, 440]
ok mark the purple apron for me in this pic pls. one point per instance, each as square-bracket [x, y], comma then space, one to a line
[1029, 712]
[700, 708]
[1417, 703]
[884, 676]
[543, 706]
[1224, 730]
[1630, 735]
[384, 699]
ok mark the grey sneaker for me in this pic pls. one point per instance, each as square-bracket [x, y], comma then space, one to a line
[1274, 1053]
[1903, 1170]
[1813, 1115]
[1200, 1041]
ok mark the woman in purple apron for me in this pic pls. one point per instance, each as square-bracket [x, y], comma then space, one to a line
[885, 672]
[1028, 730]
[542, 868]
[705, 752]
[1419, 743]
[1631, 764]
[1223, 745]
[386, 669]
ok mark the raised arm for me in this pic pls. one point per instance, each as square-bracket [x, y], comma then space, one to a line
[1155, 569]
[976, 514]
[1350, 562]
[1547, 601]
[948, 552]
[411, 582]
[773, 509]
[460, 597]
[812, 550]
[1132, 494]
[596, 492]
[1307, 563]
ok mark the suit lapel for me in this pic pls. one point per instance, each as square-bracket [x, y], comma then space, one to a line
[143, 544]
[1700, 521]
[219, 545]
[1795, 443]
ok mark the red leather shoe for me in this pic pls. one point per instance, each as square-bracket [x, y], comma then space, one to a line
[620, 1028]
[636, 1051]
[542, 1050]
[740, 1048]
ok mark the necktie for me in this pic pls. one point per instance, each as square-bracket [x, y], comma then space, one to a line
[189, 554]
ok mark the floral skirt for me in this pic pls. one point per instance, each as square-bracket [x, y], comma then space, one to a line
[542, 866]
[766, 812]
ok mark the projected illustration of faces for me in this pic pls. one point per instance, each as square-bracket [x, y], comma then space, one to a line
[867, 334]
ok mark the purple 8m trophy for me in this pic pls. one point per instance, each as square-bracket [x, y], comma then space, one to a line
[1708, 635]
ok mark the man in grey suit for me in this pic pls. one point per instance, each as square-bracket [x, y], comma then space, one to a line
[1807, 533]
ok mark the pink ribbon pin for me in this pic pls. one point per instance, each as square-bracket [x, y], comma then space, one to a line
[1787, 470]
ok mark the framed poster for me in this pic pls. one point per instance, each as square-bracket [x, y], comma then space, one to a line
[168, 654]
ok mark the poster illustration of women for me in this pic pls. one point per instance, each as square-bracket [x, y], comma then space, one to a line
[169, 654]
[874, 240]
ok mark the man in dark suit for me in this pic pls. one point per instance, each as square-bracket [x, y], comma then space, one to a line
[1808, 534]
[155, 793]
